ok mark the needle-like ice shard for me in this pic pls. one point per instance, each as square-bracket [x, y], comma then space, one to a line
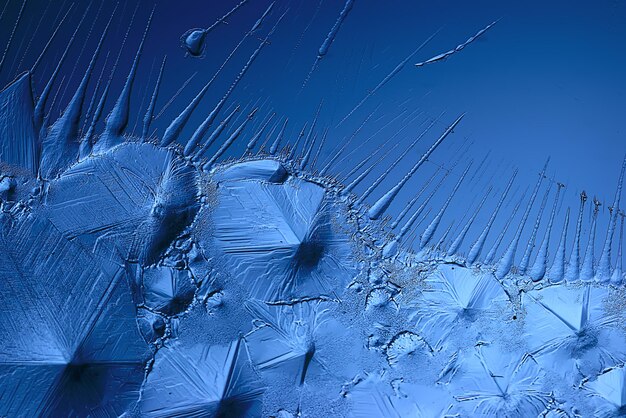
[445, 55]
[530, 246]
[454, 247]
[176, 126]
[86, 143]
[335, 29]
[309, 135]
[40, 107]
[19, 139]
[354, 150]
[539, 268]
[572, 273]
[477, 247]
[440, 246]
[50, 39]
[175, 95]
[279, 137]
[4, 9]
[147, 119]
[393, 165]
[604, 266]
[17, 22]
[87, 140]
[255, 138]
[557, 271]
[96, 89]
[174, 129]
[364, 174]
[587, 270]
[372, 166]
[204, 126]
[254, 55]
[191, 148]
[307, 154]
[432, 227]
[259, 21]
[330, 37]
[387, 78]
[365, 160]
[337, 153]
[216, 133]
[33, 34]
[290, 149]
[391, 248]
[85, 38]
[506, 262]
[480, 170]
[415, 198]
[116, 122]
[383, 203]
[319, 148]
[60, 147]
[264, 145]
[617, 276]
[193, 40]
[228, 142]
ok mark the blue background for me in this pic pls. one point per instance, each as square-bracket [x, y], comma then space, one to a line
[546, 80]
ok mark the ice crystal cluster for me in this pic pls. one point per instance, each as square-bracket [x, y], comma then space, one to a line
[144, 276]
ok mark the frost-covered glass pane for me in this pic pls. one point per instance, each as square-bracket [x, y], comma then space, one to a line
[311, 209]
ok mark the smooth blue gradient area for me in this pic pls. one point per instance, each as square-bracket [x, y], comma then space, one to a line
[546, 80]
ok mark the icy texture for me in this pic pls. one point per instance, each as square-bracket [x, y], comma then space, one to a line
[142, 204]
[19, 141]
[456, 301]
[176, 279]
[444, 55]
[70, 342]
[292, 248]
[202, 381]
[573, 333]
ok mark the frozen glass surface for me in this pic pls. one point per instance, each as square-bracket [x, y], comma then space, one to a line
[311, 209]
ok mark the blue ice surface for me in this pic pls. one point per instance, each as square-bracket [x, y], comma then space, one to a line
[137, 279]
[284, 311]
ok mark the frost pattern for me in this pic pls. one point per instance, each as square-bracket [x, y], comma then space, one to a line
[144, 276]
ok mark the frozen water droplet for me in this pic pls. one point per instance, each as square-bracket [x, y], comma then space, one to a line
[193, 42]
